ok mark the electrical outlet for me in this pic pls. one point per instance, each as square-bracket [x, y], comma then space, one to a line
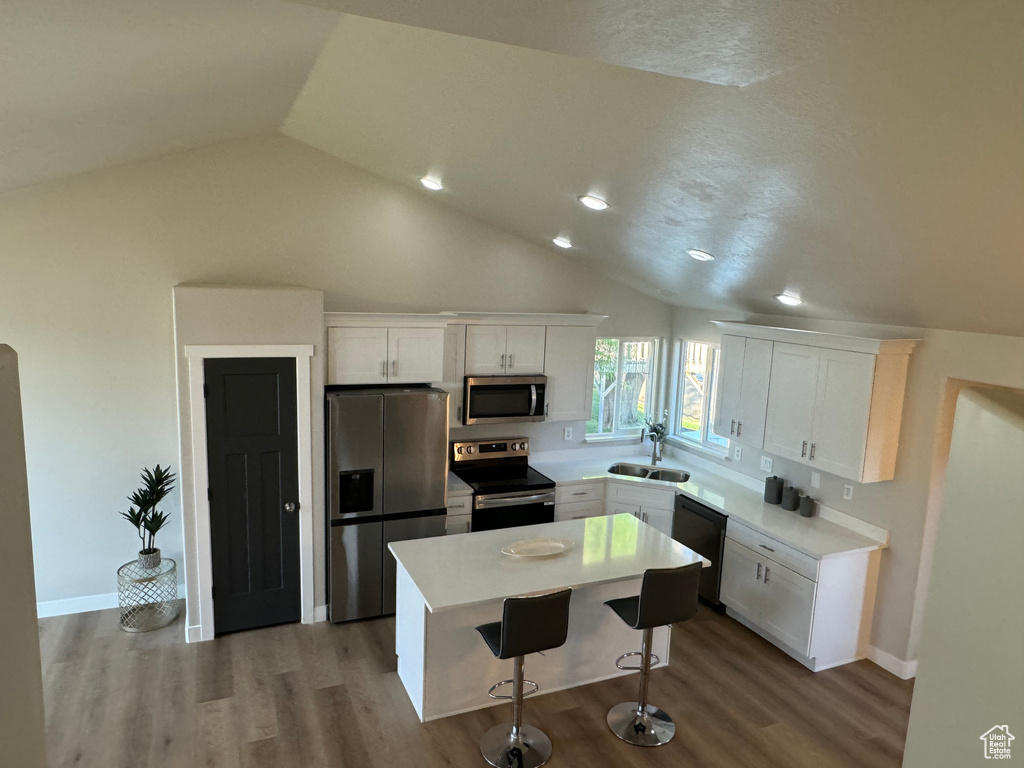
[567, 433]
[848, 492]
[766, 463]
[737, 453]
[815, 480]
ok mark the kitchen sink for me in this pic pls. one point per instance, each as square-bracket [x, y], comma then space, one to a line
[649, 473]
[671, 475]
[629, 470]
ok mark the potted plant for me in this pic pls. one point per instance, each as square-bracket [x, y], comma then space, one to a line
[144, 515]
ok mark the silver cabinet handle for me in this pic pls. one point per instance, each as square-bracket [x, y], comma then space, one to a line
[394, 367]
[580, 493]
[511, 361]
[290, 507]
[766, 571]
[758, 572]
[739, 427]
[383, 369]
[803, 451]
[460, 505]
[732, 429]
[812, 452]
[545, 409]
[503, 361]
[765, 546]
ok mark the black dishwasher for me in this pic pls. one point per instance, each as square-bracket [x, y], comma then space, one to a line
[702, 529]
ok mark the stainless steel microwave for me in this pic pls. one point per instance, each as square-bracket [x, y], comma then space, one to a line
[503, 399]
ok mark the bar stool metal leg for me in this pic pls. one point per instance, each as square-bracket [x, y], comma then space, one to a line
[516, 745]
[636, 721]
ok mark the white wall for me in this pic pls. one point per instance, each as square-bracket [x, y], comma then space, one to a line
[971, 675]
[22, 736]
[908, 505]
[85, 295]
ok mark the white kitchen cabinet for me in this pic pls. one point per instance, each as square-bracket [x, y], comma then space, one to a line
[660, 519]
[578, 509]
[790, 416]
[654, 506]
[454, 371]
[569, 367]
[743, 376]
[384, 355]
[454, 524]
[618, 508]
[500, 349]
[817, 611]
[460, 514]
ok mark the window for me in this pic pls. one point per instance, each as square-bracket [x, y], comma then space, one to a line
[695, 398]
[623, 386]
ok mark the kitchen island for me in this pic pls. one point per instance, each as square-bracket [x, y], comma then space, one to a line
[449, 585]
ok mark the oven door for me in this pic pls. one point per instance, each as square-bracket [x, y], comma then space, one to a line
[503, 399]
[511, 510]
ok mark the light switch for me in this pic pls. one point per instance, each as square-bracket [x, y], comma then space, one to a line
[815, 480]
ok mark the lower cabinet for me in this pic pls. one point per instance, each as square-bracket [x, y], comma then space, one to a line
[460, 515]
[654, 506]
[578, 509]
[818, 611]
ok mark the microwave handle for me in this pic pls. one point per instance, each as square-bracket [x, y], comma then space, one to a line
[533, 399]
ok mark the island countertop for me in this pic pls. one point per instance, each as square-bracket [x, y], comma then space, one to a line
[454, 571]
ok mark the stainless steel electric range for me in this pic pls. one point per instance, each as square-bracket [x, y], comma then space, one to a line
[507, 491]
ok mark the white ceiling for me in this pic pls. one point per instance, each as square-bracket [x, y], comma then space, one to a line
[871, 160]
[90, 84]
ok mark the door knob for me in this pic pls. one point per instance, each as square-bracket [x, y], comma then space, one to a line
[290, 507]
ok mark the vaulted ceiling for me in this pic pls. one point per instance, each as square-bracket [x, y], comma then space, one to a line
[866, 155]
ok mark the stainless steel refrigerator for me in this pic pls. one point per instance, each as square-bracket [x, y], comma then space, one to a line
[387, 469]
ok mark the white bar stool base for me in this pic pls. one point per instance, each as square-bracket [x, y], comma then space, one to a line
[650, 729]
[531, 749]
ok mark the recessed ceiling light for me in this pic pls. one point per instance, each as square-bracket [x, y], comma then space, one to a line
[789, 299]
[700, 255]
[562, 242]
[595, 203]
[430, 183]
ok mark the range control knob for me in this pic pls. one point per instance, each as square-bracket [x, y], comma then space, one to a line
[458, 450]
[523, 446]
[470, 449]
[514, 446]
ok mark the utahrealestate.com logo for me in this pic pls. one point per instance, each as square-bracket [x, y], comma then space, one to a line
[997, 742]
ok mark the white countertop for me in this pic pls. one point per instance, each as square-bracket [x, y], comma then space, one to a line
[452, 571]
[813, 536]
[457, 486]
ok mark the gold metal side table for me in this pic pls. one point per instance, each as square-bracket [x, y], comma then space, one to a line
[148, 597]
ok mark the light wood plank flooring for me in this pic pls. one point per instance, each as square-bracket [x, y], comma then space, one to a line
[326, 695]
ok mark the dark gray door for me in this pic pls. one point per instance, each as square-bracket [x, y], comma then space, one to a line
[252, 443]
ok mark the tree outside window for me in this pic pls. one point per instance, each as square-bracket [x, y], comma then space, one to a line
[695, 398]
[623, 385]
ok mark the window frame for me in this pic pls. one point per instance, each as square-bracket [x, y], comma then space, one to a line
[652, 384]
[678, 384]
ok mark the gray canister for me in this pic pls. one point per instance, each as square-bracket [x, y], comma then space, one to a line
[790, 498]
[806, 506]
[773, 489]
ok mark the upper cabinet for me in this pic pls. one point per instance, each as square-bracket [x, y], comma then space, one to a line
[370, 351]
[833, 402]
[569, 366]
[744, 368]
[500, 349]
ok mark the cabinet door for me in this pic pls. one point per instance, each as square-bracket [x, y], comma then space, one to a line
[788, 606]
[485, 350]
[569, 366]
[660, 519]
[454, 371]
[841, 412]
[457, 524]
[615, 508]
[578, 510]
[742, 571]
[525, 347]
[357, 355]
[791, 395]
[730, 377]
[415, 355]
[753, 398]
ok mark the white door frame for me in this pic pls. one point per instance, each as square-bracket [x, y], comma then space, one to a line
[200, 574]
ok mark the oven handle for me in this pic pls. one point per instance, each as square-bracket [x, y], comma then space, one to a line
[513, 501]
[533, 399]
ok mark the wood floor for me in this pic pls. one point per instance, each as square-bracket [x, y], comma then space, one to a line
[325, 695]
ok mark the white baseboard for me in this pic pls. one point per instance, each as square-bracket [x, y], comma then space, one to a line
[69, 605]
[904, 670]
[320, 613]
[193, 634]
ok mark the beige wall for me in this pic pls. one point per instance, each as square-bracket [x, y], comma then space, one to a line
[88, 264]
[22, 738]
[908, 505]
[971, 674]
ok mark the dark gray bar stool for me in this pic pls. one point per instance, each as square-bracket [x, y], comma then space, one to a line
[528, 625]
[667, 596]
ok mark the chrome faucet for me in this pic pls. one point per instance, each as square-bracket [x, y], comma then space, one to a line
[656, 444]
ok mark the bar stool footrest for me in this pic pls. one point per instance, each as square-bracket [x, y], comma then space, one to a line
[618, 662]
[493, 688]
